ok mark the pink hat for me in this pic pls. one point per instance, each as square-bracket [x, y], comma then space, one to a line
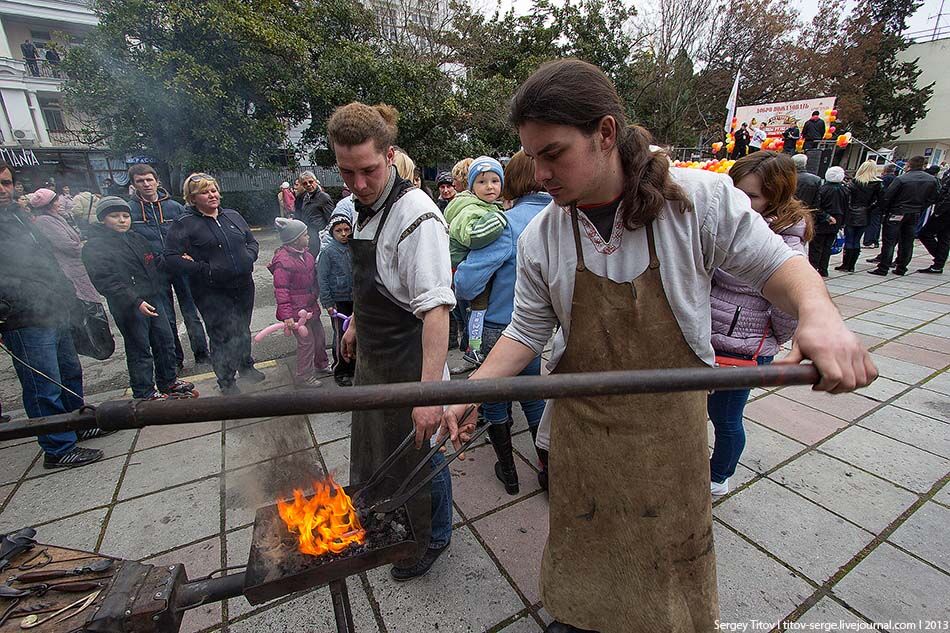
[41, 197]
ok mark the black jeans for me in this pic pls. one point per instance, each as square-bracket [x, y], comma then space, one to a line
[149, 351]
[819, 251]
[227, 314]
[189, 313]
[341, 367]
[898, 234]
[872, 232]
[935, 236]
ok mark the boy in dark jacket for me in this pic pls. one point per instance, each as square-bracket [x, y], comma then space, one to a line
[833, 200]
[123, 268]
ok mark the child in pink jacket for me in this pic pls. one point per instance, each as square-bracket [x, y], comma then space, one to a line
[296, 288]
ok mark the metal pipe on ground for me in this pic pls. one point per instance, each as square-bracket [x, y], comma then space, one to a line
[135, 414]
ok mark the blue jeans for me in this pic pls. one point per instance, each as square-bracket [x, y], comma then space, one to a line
[441, 505]
[51, 351]
[149, 351]
[500, 412]
[725, 410]
[852, 236]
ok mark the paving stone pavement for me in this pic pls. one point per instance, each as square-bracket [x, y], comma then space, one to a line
[839, 511]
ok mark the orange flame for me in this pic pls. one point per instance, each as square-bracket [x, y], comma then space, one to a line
[326, 522]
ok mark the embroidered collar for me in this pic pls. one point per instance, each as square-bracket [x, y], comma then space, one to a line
[602, 247]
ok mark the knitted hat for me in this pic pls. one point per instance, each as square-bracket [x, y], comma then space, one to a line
[285, 185]
[834, 174]
[289, 230]
[111, 204]
[482, 164]
[444, 178]
[339, 218]
[41, 198]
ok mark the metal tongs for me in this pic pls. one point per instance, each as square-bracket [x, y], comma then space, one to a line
[401, 495]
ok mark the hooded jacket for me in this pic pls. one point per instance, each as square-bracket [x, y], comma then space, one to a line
[295, 282]
[473, 223]
[152, 220]
[740, 315]
[123, 267]
[335, 274]
[34, 292]
[223, 249]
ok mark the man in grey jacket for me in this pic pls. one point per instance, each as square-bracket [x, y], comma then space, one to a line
[808, 183]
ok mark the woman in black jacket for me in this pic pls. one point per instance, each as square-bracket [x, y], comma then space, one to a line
[832, 204]
[216, 248]
[865, 191]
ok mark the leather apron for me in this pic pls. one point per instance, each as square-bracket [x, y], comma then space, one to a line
[630, 548]
[388, 350]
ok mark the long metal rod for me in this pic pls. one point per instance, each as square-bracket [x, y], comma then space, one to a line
[134, 414]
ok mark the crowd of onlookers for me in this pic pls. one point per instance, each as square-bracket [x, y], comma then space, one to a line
[137, 249]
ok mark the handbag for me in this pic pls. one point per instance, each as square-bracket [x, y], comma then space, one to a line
[91, 334]
[730, 361]
[839, 243]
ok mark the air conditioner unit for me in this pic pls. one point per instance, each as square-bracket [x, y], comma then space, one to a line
[26, 138]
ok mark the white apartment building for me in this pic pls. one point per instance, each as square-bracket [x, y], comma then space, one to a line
[931, 136]
[35, 137]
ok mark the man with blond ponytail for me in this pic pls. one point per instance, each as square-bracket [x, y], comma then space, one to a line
[402, 295]
[623, 257]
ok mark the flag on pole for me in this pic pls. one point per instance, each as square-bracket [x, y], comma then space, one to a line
[731, 105]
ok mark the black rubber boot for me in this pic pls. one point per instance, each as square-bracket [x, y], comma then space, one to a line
[848, 260]
[505, 466]
[542, 457]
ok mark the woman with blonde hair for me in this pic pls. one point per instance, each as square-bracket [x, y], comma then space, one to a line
[405, 167]
[216, 248]
[866, 189]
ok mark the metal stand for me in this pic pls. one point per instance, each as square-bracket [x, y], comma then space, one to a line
[341, 606]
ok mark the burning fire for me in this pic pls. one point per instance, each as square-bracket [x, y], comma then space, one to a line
[326, 522]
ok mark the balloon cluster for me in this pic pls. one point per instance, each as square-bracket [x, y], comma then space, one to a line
[830, 116]
[717, 166]
[774, 144]
[302, 317]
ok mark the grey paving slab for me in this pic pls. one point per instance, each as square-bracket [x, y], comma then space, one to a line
[890, 585]
[765, 449]
[80, 531]
[869, 501]
[15, 460]
[895, 461]
[752, 585]
[152, 436]
[926, 533]
[882, 389]
[899, 370]
[939, 383]
[893, 320]
[5, 492]
[199, 559]
[827, 612]
[527, 624]
[524, 446]
[935, 329]
[911, 309]
[262, 441]
[312, 611]
[252, 487]
[481, 597]
[797, 531]
[943, 495]
[164, 520]
[239, 547]
[328, 427]
[932, 403]
[171, 464]
[476, 489]
[924, 432]
[62, 493]
[336, 456]
[516, 535]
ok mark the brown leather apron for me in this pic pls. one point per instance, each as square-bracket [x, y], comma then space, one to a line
[630, 548]
[388, 350]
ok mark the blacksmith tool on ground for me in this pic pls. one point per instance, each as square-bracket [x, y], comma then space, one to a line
[94, 567]
[33, 621]
[40, 559]
[14, 544]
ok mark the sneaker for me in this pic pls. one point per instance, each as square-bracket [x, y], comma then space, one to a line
[73, 459]
[718, 489]
[91, 434]
[322, 371]
[252, 375]
[156, 395]
[179, 386]
[474, 356]
[313, 381]
[420, 568]
[931, 270]
[230, 389]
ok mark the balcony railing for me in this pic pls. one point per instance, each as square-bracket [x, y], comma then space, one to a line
[43, 68]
